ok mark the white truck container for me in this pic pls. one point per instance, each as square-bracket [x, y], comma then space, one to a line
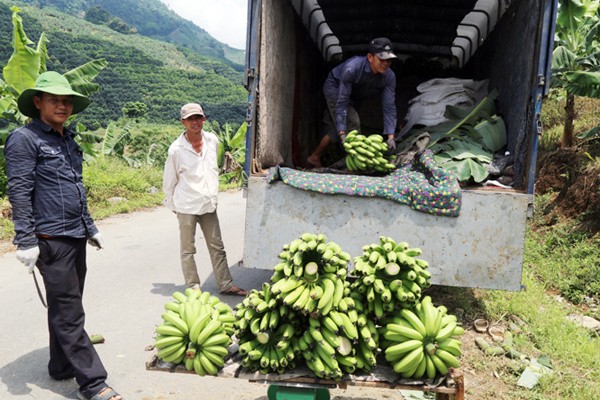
[293, 44]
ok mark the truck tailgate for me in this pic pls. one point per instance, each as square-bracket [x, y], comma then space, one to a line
[481, 248]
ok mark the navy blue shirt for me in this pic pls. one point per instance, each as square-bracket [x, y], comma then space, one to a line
[353, 81]
[45, 186]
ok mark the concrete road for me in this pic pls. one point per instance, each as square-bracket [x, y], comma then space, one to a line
[127, 285]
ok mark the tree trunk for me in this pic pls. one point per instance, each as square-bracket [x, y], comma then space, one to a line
[568, 139]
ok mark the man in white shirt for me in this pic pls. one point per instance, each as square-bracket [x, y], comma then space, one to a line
[191, 187]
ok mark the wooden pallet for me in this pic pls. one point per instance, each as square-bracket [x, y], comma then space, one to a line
[450, 387]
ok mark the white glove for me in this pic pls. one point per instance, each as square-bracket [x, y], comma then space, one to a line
[29, 257]
[97, 241]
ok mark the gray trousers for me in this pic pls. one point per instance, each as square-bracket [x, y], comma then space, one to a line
[209, 223]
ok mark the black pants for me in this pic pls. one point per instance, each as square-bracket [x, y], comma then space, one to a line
[63, 267]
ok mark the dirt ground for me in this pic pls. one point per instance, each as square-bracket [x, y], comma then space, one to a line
[573, 179]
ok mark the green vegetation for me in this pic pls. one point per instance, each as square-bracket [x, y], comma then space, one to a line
[113, 187]
[148, 17]
[575, 63]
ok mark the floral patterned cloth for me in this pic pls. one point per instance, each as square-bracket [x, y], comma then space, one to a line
[422, 185]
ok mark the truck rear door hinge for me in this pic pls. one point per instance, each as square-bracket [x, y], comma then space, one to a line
[541, 80]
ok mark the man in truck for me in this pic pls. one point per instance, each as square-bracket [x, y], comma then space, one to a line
[357, 79]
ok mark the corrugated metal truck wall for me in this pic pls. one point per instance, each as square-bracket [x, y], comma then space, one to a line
[289, 113]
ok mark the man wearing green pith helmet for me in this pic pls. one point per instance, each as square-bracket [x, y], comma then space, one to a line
[52, 225]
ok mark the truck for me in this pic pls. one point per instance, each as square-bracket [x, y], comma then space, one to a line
[291, 47]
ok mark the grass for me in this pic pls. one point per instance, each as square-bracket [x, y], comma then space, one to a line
[112, 188]
[115, 188]
[587, 116]
[573, 351]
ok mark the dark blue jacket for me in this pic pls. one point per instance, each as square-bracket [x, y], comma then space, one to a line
[45, 186]
[353, 81]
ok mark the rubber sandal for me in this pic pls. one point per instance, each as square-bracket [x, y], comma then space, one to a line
[235, 291]
[105, 394]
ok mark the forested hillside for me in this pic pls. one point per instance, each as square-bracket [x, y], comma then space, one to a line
[150, 18]
[140, 69]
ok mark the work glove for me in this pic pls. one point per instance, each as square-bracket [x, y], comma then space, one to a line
[29, 257]
[342, 138]
[391, 143]
[97, 241]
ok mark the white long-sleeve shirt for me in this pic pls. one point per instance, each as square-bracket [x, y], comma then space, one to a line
[191, 179]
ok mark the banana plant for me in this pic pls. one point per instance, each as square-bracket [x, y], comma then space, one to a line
[232, 153]
[24, 66]
[576, 58]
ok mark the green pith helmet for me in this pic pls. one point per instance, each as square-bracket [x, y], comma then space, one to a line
[53, 83]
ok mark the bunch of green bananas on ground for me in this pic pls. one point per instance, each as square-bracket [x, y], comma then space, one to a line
[367, 344]
[259, 311]
[327, 345]
[390, 276]
[267, 331]
[422, 342]
[273, 351]
[311, 277]
[196, 330]
[366, 153]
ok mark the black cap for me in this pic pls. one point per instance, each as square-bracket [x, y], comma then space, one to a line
[382, 48]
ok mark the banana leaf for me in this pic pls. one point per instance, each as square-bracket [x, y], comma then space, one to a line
[583, 83]
[115, 140]
[595, 131]
[464, 169]
[81, 77]
[235, 144]
[5, 104]
[24, 64]
[463, 150]
[492, 133]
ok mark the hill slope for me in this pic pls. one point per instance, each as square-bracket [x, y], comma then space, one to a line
[160, 74]
[150, 18]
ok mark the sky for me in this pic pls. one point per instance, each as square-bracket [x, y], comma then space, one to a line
[225, 20]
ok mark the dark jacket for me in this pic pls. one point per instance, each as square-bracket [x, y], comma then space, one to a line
[353, 81]
[45, 186]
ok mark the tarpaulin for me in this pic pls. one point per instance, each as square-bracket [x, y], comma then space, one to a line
[422, 185]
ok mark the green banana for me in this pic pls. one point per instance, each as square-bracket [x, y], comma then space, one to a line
[210, 328]
[447, 358]
[397, 351]
[175, 320]
[169, 330]
[410, 360]
[414, 321]
[166, 341]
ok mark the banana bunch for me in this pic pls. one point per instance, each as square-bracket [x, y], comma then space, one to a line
[390, 276]
[423, 341]
[311, 277]
[267, 331]
[270, 352]
[367, 344]
[327, 347]
[196, 330]
[259, 312]
[366, 153]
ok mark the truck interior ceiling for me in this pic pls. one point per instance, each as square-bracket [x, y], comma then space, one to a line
[491, 41]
